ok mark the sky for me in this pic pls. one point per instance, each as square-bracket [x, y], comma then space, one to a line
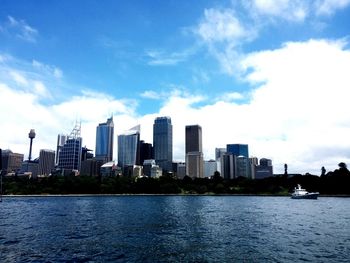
[271, 74]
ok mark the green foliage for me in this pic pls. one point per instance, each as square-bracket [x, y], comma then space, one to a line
[332, 183]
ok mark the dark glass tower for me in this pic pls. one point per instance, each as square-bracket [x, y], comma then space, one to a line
[104, 140]
[146, 152]
[194, 154]
[193, 138]
[163, 142]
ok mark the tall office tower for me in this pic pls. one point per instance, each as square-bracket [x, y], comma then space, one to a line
[104, 141]
[69, 157]
[61, 140]
[129, 147]
[238, 149]
[46, 162]
[228, 166]
[194, 155]
[218, 153]
[146, 152]
[193, 138]
[31, 136]
[163, 142]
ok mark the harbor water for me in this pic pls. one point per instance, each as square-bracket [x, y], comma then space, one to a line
[174, 229]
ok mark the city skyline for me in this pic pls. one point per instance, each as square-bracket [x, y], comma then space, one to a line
[273, 75]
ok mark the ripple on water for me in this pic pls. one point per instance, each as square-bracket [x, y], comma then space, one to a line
[174, 229]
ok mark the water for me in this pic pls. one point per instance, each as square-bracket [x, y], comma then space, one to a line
[174, 229]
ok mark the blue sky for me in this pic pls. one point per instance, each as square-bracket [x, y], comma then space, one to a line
[267, 73]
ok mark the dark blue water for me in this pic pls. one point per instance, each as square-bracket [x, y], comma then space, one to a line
[174, 229]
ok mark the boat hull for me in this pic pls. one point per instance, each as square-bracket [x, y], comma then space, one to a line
[306, 196]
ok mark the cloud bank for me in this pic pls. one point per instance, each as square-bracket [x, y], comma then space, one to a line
[297, 111]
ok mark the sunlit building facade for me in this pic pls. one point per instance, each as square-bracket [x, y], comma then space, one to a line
[104, 141]
[129, 147]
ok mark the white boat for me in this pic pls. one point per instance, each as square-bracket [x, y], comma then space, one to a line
[300, 193]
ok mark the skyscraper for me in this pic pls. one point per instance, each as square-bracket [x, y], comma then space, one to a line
[69, 157]
[194, 155]
[238, 149]
[146, 152]
[46, 162]
[163, 142]
[129, 147]
[61, 140]
[104, 141]
[193, 138]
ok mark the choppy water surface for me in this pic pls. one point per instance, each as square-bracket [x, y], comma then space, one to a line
[173, 229]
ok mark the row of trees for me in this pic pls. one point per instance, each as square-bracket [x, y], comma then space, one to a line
[332, 183]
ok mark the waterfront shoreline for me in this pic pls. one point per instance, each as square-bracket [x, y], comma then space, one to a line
[106, 195]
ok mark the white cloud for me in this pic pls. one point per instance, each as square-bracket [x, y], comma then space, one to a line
[292, 10]
[151, 94]
[230, 96]
[220, 26]
[20, 29]
[40, 89]
[224, 34]
[225, 31]
[48, 69]
[298, 112]
[19, 78]
[163, 58]
[51, 120]
[329, 7]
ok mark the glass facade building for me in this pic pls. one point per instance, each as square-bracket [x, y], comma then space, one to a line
[129, 147]
[104, 141]
[70, 154]
[238, 149]
[163, 142]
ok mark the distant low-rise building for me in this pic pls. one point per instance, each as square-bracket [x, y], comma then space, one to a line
[156, 171]
[264, 169]
[110, 169]
[209, 168]
[179, 169]
[91, 167]
[11, 162]
[147, 166]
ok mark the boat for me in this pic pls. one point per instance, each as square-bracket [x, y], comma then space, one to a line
[300, 193]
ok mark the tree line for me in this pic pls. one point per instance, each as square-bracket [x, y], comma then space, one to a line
[333, 183]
